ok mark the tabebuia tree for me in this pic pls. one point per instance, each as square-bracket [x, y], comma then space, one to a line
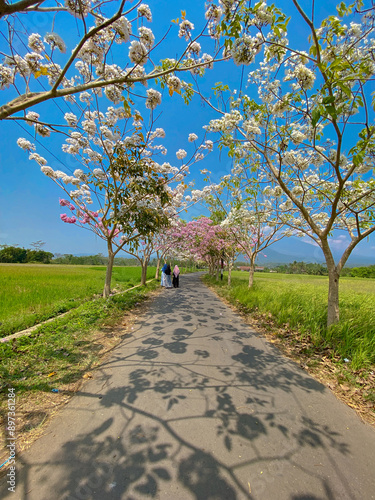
[56, 50]
[120, 192]
[205, 241]
[162, 240]
[307, 120]
[249, 218]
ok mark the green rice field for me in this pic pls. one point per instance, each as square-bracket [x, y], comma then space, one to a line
[31, 293]
[299, 302]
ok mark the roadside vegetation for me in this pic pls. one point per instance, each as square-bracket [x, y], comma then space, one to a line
[290, 311]
[46, 368]
[32, 293]
[60, 352]
[298, 302]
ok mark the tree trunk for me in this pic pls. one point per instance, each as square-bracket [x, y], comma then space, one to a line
[333, 297]
[333, 285]
[157, 268]
[251, 272]
[144, 265]
[108, 274]
[230, 267]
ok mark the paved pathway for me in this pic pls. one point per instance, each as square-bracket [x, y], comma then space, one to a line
[195, 405]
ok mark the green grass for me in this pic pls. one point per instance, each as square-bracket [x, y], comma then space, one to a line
[31, 293]
[300, 302]
[66, 347]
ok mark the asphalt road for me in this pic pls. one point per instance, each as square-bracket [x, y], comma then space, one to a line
[195, 405]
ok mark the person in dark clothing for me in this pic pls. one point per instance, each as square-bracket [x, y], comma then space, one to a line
[176, 277]
[163, 281]
[167, 271]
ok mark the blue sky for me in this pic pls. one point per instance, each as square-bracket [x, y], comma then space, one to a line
[29, 208]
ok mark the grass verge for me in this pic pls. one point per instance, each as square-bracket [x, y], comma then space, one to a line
[292, 315]
[34, 293]
[57, 356]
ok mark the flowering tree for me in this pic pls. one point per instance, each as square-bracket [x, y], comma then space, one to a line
[92, 60]
[163, 240]
[133, 194]
[142, 253]
[248, 217]
[310, 130]
[204, 241]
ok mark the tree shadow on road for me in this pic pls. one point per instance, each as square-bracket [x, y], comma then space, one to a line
[183, 424]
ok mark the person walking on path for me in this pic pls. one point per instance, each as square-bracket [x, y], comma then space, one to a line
[176, 277]
[166, 272]
[164, 280]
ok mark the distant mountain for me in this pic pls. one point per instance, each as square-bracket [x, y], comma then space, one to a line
[293, 249]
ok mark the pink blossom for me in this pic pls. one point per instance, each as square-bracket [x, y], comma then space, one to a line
[69, 220]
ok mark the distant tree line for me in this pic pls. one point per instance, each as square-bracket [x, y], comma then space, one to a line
[317, 269]
[18, 255]
[302, 268]
[359, 272]
[321, 270]
[92, 260]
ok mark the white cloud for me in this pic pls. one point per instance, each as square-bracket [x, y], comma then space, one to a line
[340, 242]
[309, 241]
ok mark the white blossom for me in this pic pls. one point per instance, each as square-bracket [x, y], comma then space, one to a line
[144, 11]
[54, 40]
[213, 13]
[153, 99]
[297, 137]
[181, 154]
[303, 75]
[48, 171]
[194, 48]
[123, 29]
[99, 174]
[6, 76]
[71, 119]
[146, 37]
[35, 43]
[174, 83]
[245, 48]
[39, 159]
[42, 130]
[25, 144]
[32, 117]
[251, 127]
[79, 173]
[138, 52]
[85, 97]
[78, 8]
[186, 28]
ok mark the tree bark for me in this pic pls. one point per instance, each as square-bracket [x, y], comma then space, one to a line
[333, 315]
[230, 267]
[144, 265]
[108, 274]
[251, 271]
[157, 268]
